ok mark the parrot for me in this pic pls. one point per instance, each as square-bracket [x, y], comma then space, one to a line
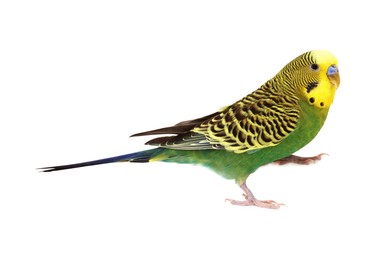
[268, 125]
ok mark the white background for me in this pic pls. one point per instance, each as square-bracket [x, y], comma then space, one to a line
[78, 78]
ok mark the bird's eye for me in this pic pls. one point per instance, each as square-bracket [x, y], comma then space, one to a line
[314, 66]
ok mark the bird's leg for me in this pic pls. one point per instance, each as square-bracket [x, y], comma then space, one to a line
[250, 200]
[300, 160]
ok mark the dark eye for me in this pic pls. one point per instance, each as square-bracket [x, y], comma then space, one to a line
[314, 66]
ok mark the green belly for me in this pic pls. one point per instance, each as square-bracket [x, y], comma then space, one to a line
[239, 166]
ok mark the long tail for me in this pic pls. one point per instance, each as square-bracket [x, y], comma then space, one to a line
[143, 156]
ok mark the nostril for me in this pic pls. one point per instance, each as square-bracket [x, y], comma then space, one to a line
[332, 70]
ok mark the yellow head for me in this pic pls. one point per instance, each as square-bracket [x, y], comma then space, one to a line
[315, 76]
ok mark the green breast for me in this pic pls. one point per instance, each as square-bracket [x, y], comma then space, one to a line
[239, 166]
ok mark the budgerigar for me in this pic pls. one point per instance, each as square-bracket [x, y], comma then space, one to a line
[268, 125]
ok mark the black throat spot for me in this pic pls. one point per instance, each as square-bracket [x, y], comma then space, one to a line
[311, 86]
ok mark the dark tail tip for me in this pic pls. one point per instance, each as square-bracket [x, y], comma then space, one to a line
[143, 156]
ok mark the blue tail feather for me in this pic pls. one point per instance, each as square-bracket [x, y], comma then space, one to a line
[143, 156]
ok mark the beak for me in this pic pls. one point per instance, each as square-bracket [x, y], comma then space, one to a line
[333, 75]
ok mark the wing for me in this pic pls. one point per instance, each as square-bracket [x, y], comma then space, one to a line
[257, 121]
[178, 129]
[251, 124]
[183, 138]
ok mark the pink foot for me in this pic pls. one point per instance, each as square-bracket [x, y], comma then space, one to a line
[300, 160]
[250, 200]
[268, 204]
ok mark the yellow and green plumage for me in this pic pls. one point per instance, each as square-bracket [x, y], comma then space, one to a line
[270, 124]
